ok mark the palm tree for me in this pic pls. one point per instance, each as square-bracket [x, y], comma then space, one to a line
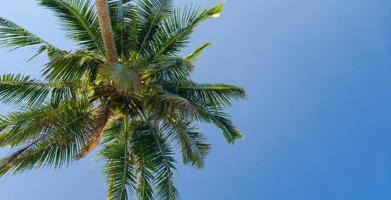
[139, 105]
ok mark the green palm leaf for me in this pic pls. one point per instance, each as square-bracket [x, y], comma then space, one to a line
[196, 53]
[22, 90]
[52, 140]
[15, 36]
[79, 20]
[164, 169]
[119, 167]
[142, 155]
[168, 69]
[192, 144]
[176, 29]
[155, 151]
[222, 121]
[164, 102]
[215, 95]
[72, 66]
[144, 180]
[125, 23]
[152, 13]
[22, 126]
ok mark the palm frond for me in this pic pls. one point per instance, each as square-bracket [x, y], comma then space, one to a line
[145, 177]
[15, 36]
[72, 66]
[119, 167]
[151, 13]
[196, 53]
[215, 95]
[125, 25]
[19, 127]
[25, 91]
[222, 121]
[128, 163]
[176, 29]
[164, 169]
[79, 20]
[164, 102]
[144, 165]
[50, 141]
[192, 143]
[168, 69]
[154, 150]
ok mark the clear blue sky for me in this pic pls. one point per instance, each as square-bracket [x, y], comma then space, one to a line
[317, 120]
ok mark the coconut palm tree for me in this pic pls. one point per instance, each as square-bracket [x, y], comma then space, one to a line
[138, 106]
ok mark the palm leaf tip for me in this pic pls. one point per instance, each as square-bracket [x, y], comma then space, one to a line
[236, 135]
[195, 54]
[216, 11]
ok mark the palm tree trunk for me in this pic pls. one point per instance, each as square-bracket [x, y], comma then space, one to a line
[106, 30]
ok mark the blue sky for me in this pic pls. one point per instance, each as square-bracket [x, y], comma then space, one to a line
[317, 119]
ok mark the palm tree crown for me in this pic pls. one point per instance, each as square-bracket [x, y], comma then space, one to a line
[138, 108]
